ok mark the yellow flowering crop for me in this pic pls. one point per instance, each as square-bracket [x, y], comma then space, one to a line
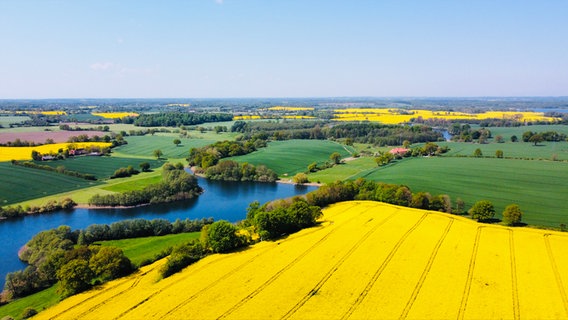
[395, 116]
[255, 117]
[25, 153]
[114, 115]
[365, 260]
[47, 113]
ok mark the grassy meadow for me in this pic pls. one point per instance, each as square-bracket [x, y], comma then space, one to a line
[289, 157]
[19, 184]
[140, 249]
[365, 259]
[144, 146]
[519, 150]
[538, 187]
[101, 167]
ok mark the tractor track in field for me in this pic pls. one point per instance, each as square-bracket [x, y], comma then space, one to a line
[287, 267]
[557, 274]
[379, 271]
[427, 268]
[514, 283]
[264, 250]
[124, 282]
[469, 279]
[337, 265]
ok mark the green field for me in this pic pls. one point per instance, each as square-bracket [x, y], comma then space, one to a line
[292, 156]
[519, 150]
[344, 171]
[19, 184]
[131, 184]
[538, 187]
[144, 146]
[5, 121]
[101, 167]
[37, 301]
[140, 249]
[507, 132]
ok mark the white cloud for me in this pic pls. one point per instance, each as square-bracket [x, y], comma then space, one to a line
[101, 66]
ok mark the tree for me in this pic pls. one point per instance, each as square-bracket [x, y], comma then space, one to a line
[477, 153]
[158, 153]
[335, 157]
[482, 210]
[499, 139]
[177, 142]
[313, 167]
[110, 263]
[460, 206]
[512, 215]
[499, 153]
[536, 138]
[300, 178]
[144, 166]
[514, 138]
[74, 277]
[222, 237]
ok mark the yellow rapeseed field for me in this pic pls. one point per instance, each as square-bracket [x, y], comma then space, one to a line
[47, 113]
[365, 260]
[255, 117]
[115, 115]
[395, 116]
[25, 153]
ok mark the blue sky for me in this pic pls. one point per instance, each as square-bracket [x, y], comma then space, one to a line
[291, 48]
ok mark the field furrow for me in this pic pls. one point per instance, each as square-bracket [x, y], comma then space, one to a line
[491, 278]
[534, 272]
[403, 270]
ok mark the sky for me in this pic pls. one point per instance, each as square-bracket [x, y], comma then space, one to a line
[285, 48]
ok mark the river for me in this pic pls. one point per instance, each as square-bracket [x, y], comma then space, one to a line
[221, 200]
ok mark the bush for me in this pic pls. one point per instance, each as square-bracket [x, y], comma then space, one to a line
[512, 215]
[28, 313]
[222, 237]
[482, 210]
[181, 257]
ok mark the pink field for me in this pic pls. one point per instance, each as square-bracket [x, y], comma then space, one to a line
[40, 137]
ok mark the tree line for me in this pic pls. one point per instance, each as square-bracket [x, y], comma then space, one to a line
[58, 169]
[233, 171]
[176, 119]
[365, 132]
[50, 206]
[176, 184]
[210, 155]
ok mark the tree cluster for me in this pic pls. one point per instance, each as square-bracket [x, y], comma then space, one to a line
[177, 119]
[537, 137]
[234, 171]
[275, 219]
[50, 206]
[136, 228]
[210, 155]
[124, 172]
[176, 184]
[52, 256]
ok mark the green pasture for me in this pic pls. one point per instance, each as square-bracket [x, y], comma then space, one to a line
[129, 184]
[520, 150]
[507, 132]
[538, 187]
[38, 301]
[6, 121]
[101, 167]
[140, 249]
[344, 171]
[19, 184]
[292, 156]
[144, 146]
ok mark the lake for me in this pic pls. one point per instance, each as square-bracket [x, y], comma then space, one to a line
[221, 200]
